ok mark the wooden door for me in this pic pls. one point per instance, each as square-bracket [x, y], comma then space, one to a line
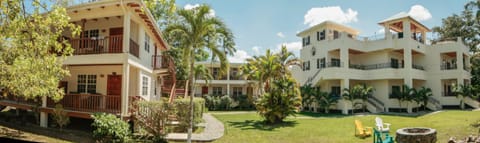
[204, 90]
[114, 85]
[115, 40]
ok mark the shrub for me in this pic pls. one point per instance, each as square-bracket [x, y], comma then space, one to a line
[225, 102]
[283, 100]
[109, 128]
[60, 116]
[182, 108]
[152, 116]
[243, 101]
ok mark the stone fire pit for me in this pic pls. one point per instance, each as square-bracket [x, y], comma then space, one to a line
[416, 135]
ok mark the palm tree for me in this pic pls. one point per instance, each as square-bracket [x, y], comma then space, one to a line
[325, 100]
[422, 95]
[405, 95]
[366, 92]
[307, 93]
[195, 31]
[264, 69]
[462, 92]
[288, 59]
[351, 94]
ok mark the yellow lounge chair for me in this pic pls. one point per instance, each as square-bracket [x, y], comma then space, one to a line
[361, 131]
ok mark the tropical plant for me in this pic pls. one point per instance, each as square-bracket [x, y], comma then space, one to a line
[32, 49]
[196, 30]
[463, 91]
[352, 94]
[109, 128]
[422, 95]
[308, 95]
[263, 69]
[60, 116]
[366, 92]
[283, 100]
[325, 100]
[405, 95]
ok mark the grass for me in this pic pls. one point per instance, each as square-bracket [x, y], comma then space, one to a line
[311, 127]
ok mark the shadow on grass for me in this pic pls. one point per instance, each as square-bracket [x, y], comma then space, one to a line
[316, 115]
[261, 125]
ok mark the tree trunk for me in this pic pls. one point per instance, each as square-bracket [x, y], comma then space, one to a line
[191, 78]
[462, 103]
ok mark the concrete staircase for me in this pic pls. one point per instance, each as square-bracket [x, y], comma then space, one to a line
[434, 104]
[472, 102]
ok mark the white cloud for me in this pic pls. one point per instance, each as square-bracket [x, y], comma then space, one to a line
[334, 13]
[382, 30]
[188, 6]
[293, 47]
[280, 34]
[239, 57]
[419, 13]
[256, 49]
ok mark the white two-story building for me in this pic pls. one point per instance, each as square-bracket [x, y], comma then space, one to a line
[335, 57]
[117, 59]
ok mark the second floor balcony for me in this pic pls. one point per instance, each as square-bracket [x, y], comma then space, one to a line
[106, 45]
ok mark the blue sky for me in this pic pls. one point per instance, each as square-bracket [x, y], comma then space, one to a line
[266, 24]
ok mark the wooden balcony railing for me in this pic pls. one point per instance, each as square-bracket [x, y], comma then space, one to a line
[90, 103]
[84, 46]
[134, 48]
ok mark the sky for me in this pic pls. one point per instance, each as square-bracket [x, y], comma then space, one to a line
[267, 24]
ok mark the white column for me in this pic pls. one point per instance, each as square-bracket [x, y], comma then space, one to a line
[424, 37]
[388, 34]
[344, 57]
[345, 83]
[44, 115]
[228, 81]
[126, 32]
[459, 60]
[406, 29]
[125, 87]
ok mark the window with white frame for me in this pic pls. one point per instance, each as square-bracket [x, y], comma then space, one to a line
[237, 90]
[217, 91]
[147, 43]
[87, 84]
[145, 85]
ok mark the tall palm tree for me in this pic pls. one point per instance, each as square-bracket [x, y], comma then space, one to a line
[197, 30]
[288, 59]
[264, 69]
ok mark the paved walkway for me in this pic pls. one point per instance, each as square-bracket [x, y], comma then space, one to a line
[214, 129]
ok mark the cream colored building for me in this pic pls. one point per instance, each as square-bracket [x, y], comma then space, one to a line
[230, 84]
[335, 57]
[116, 59]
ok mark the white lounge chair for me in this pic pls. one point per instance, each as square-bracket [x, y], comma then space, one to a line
[382, 127]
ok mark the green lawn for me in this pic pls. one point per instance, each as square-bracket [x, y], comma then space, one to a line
[247, 127]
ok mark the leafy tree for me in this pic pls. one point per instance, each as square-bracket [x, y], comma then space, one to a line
[263, 69]
[366, 92]
[162, 10]
[283, 100]
[194, 31]
[32, 48]
[60, 116]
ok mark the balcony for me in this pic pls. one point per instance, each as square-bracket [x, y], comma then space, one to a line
[418, 67]
[448, 66]
[376, 66]
[160, 61]
[334, 64]
[90, 103]
[85, 46]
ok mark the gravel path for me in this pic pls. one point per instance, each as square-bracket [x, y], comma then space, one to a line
[214, 129]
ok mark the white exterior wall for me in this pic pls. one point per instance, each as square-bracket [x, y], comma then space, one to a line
[91, 70]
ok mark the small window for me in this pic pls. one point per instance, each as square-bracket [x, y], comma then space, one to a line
[217, 91]
[237, 90]
[336, 91]
[322, 63]
[145, 85]
[322, 35]
[147, 43]
[395, 91]
[308, 40]
[318, 63]
[313, 51]
[308, 65]
[87, 84]
[216, 73]
[336, 35]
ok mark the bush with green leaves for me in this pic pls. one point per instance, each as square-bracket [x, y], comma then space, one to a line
[284, 99]
[226, 102]
[182, 109]
[243, 101]
[60, 116]
[109, 128]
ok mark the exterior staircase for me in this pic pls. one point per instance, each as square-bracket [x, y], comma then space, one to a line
[472, 102]
[376, 106]
[434, 104]
[171, 86]
[312, 78]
